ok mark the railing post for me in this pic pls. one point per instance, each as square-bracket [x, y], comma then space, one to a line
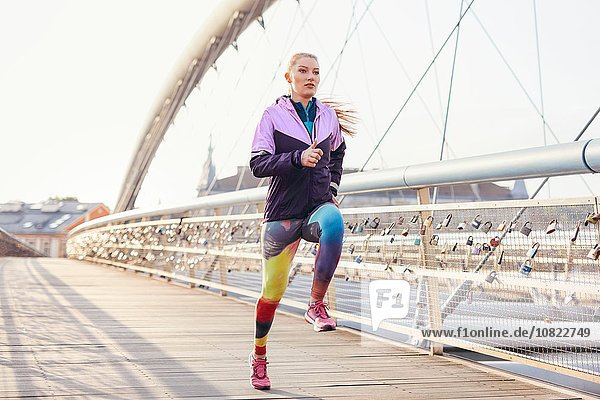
[219, 263]
[431, 283]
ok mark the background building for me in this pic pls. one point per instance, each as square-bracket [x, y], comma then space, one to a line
[45, 225]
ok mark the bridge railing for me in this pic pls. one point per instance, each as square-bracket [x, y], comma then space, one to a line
[518, 280]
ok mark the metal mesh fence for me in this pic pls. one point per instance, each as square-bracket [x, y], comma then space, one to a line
[518, 279]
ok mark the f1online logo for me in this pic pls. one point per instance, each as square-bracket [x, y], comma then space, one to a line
[389, 299]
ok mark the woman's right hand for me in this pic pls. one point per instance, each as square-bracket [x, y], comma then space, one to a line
[311, 156]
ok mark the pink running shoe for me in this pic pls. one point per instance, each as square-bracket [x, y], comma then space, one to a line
[259, 378]
[318, 317]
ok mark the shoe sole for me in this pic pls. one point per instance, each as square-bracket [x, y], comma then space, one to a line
[261, 387]
[326, 328]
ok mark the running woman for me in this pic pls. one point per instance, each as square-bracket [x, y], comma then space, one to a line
[298, 144]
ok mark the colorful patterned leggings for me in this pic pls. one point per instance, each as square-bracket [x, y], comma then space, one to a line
[279, 242]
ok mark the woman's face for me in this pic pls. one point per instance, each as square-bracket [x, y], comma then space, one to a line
[304, 77]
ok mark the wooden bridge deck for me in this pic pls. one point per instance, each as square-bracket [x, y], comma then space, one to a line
[78, 330]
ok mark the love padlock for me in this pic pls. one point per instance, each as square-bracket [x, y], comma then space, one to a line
[594, 253]
[455, 247]
[470, 241]
[351, 248]
[476, 223]
[417, 241]
[405, 232]
[314, 249]
[400, 220]
[492, 276]
[552, 226]
[592, 219]
[501, 226]
[576, 233]
[375, 223]
[414, 219]
[388, 229]
[447, 220]
[495, 241]
[525, 268]
[499, 261]
[486, 247]
[434, 240]
[533, 250]
[358, 259]
[486, 227]
[526, 228]
[462, 225]
[428, 221]
[476, 250]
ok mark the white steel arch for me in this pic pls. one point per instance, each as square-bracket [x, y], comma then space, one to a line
[222, 28]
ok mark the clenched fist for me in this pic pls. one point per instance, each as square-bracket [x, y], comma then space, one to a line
[311, 156]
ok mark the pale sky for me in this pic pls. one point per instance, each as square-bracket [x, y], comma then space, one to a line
[78, 79]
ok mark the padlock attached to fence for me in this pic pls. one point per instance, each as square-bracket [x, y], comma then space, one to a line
[470, 241]
[388, 229]
[434, 240]
[462, 225]
[314, 249]
[533, 250]
[476, 250]
[592, 219]
[552, 226]
[492, 276]
[400, 220]
[428, 221]
[526, 228]
[476, 223]
[576, 233]
[594, 253]
[351, 248]
[414, 219]
[405, 232]
[495, 241]
[375, 223]
[501, 226]
[525, 268]
[446, 221]
[499, 261]
[487, 227]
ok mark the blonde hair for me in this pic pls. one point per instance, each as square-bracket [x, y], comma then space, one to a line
[294, 59]
[346, 114]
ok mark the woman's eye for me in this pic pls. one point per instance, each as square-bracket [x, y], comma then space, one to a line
[302, 70]
[316, 72]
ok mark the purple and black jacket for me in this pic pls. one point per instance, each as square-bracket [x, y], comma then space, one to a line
[279, 140]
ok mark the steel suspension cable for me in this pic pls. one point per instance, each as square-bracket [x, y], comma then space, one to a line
[406, 74]
[437, 81]
[416, 86]
[435, 190]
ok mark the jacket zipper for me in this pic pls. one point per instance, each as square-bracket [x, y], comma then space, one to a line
[295, 115]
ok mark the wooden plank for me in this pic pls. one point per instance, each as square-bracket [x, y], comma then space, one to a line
[79, 330]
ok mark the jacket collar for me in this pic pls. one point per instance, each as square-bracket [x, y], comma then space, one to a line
[285, 101]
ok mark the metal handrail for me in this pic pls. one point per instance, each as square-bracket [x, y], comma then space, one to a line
[536, 162]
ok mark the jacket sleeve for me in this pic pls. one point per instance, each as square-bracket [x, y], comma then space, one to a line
[263, 160]
[338, 146]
